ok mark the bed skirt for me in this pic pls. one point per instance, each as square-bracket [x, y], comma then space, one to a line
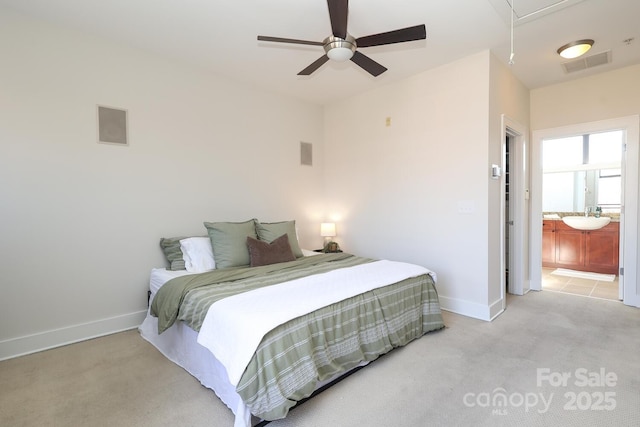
[179, 344]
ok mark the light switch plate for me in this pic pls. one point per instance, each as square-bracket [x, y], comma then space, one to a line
[466, 207]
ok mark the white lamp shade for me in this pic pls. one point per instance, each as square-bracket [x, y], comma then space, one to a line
[328, 229]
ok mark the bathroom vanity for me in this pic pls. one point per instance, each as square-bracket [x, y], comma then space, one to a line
[584, 250]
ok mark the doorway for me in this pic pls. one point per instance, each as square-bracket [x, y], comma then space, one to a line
[628, 255]
[514, 212]
[582, 181]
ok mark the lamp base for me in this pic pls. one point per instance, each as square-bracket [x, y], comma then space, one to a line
[331, 247]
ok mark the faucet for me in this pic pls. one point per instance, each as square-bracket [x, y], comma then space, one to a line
[598, 211]
[587, 210]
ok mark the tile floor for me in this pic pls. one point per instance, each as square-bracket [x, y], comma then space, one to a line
[577, 286]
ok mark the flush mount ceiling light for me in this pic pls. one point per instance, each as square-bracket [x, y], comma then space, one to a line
[575, 49]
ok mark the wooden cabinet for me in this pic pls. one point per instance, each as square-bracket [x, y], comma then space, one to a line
[570, 247]
[548, 243]
[592, 250]
[603, 249]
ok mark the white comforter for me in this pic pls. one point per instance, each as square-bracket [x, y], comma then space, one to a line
[234, 326]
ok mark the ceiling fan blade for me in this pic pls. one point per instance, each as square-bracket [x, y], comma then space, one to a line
[368, 64]
[282, 40]
[316, 64]
[419, 32]
[338, 11]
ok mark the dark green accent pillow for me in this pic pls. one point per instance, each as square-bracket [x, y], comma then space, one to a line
[271, 231]
[229, 242]
[263, 253]
[172, 252]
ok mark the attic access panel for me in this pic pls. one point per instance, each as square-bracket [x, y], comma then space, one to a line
[529, 10]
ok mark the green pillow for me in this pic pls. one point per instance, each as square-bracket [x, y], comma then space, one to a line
[171, 248]
[271, 231]
[229, 242]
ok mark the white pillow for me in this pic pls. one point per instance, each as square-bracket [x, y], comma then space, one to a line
[307, 252]
[197, 254]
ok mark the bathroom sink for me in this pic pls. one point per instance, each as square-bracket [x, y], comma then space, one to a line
[586, 223]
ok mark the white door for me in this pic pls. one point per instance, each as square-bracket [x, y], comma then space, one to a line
[515, 207]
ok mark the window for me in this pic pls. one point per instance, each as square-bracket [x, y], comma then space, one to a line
[564, 153]
[609, 186]
[581, 171]
[605, 147]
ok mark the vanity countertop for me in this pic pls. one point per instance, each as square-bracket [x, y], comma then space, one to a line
[557, 216]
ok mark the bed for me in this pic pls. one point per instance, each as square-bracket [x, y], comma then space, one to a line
[265, 337]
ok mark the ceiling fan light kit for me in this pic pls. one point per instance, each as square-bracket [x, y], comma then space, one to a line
[575, 49]
[338, 49]
[341, 46]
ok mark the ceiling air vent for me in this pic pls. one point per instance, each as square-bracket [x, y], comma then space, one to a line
[588, 62]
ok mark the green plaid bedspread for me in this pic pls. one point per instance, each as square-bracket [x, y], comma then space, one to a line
[295, 356]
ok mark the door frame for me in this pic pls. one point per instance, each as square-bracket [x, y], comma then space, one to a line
[519, 283]
[629, 212]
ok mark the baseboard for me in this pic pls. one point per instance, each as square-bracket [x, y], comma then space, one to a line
[496, 309]
[28, 344]
[465, 308]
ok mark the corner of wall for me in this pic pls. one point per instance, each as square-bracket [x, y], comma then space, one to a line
[468, 308]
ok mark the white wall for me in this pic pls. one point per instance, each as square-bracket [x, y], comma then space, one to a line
[396, 191]
[80, 221]
[602, 96]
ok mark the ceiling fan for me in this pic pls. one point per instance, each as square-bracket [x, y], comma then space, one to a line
[342, 46]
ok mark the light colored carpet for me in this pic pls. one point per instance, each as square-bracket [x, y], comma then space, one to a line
[446, 378]
[584, 275]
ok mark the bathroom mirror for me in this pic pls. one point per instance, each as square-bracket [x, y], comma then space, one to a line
[581, 171]
[573, 191]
